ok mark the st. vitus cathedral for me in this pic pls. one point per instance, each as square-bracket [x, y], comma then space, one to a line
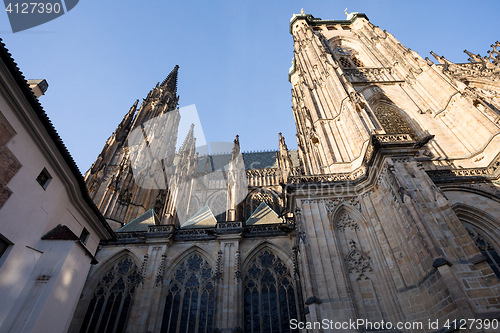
[388, 211]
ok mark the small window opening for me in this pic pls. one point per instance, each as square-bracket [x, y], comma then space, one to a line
[84, 236]
[44, 178]
[317, 28]
[346, 27]
[331, 27]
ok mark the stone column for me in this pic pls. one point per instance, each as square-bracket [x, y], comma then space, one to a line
[229, 316]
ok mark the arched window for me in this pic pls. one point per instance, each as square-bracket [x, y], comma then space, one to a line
[255, 198]
[218, 205]
[392, 120]
[190, 302]
[486, 249]
[108, 310]
[270, 295]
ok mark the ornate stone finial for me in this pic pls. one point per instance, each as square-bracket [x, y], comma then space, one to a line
[302, 11]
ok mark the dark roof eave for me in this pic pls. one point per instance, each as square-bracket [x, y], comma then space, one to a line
[44, 119]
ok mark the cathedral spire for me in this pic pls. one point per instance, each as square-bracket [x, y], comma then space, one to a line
[170, 81]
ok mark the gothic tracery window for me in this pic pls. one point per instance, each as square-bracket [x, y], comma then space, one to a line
[218, 205]
[270, 295]
[256, 198]
[190, 302]
[392, 121]
[108, 310]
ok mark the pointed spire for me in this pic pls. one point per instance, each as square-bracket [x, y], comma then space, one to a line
[186, 145]
[124, 126]
[170, 81]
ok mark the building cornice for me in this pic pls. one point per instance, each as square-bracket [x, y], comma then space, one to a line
[313, 21]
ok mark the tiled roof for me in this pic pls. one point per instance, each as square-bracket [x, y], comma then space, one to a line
[60, 232]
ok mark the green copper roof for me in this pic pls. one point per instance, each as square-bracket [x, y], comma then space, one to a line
[263, 215]
[141, 223]
[203, 219]
[313, 21]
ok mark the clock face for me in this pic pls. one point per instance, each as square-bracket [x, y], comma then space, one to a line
[344, 50]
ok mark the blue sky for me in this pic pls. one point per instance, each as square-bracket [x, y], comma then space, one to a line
[233, 56]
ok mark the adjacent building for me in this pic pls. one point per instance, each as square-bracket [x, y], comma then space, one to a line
[49, 227]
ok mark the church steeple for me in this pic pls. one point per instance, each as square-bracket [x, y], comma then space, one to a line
[170, 82]
[162, 98]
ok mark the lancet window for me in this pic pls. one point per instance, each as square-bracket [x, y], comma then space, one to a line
[270, 295]
[190, 302]
[218, 205]
[109, 308]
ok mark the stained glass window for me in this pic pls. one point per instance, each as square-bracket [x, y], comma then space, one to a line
[270, 295]
[189, 306]
[108, 310]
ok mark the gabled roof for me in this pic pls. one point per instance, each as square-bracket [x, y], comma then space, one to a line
[203, 219]
[141, 223]
[263, 215]
[20, 80]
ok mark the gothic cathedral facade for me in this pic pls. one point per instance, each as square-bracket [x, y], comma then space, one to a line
[388, 211]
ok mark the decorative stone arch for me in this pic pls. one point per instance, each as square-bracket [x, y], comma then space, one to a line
[189, 293]
[335, 214]
[361, 57]
[255, 197]
[218, 203]
[108, 295]
[270, 292]
[352, 241]
[391, 118]
[484, 231]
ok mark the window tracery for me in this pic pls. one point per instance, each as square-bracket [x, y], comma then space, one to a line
[190, 302]
[218, 205]
[270, 295]
[392, 121]
[110, 304]
[256, 198]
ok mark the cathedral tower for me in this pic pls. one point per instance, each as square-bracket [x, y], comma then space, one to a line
[110, 180]
[388, 212]
[391, 145]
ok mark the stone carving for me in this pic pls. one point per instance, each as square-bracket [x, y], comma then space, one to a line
[492, 171]
[219, 267]
[345, 221]
[237, 267]
[372, 75]
[144, 266]
[357, 262]
[330, 204]
[161, 271]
